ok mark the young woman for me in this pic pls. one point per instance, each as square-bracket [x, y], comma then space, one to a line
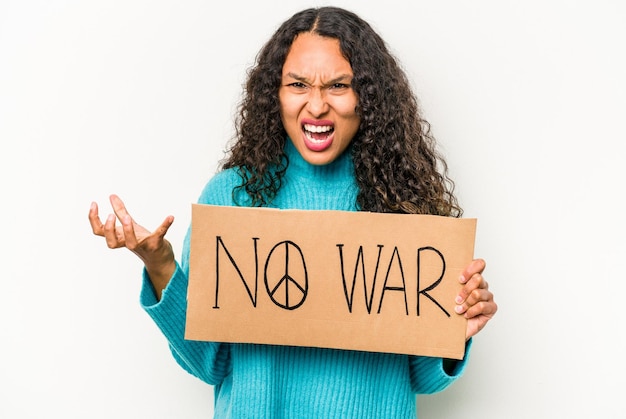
[328, 121]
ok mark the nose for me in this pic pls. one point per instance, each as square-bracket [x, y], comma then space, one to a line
[317, 104]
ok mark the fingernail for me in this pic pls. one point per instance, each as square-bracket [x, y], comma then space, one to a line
[462, 279]
[458, 309]
[458, 299]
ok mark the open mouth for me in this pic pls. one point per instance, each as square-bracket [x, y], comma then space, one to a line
[318, 137]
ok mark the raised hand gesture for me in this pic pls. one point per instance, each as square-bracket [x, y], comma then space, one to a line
[151, 247]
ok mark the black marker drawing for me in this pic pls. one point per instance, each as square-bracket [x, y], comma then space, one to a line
[219, 242]
[287, 292]
[359, 262]
[390, 288]
[434, 284]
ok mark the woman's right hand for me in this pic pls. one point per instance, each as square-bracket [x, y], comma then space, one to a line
[152, 248]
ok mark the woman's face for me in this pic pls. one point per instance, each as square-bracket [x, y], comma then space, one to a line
[317, 103]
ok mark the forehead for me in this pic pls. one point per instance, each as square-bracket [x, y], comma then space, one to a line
[314, 55]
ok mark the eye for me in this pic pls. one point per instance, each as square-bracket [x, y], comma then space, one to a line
[297, 85]
[339, 86]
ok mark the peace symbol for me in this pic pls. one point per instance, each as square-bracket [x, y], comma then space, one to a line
[287, 292]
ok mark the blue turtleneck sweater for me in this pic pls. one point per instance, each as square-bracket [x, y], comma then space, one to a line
[266, 381]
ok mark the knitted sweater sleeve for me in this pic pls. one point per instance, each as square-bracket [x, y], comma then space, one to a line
[209, 361]
[429, 375]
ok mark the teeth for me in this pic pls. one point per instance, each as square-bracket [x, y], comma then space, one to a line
[313, 139]
[317, 128]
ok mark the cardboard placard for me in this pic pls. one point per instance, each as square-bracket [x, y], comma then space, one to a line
[333, 279]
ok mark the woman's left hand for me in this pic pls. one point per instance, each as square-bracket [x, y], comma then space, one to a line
[475, 301]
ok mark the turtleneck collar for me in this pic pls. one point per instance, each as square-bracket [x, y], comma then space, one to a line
[340, 168]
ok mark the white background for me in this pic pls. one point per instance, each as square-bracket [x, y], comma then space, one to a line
[137, 98]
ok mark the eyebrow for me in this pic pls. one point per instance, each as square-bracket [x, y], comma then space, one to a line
[338, 79]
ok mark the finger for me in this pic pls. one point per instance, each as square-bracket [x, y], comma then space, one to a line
[152, 239]
[474, 304]
[475, 282]
[164, 227]
[478, 295]
[477, 266]
[155, 240]
[113, 239]
[118, 207]
[130, 238]
[471, 296]
[94, 219]
[486, 307]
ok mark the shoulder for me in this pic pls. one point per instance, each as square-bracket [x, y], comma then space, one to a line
[220, 188]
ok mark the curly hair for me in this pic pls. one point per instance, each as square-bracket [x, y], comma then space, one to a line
[397, 165]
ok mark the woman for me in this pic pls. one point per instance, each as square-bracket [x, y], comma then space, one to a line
[328, 121]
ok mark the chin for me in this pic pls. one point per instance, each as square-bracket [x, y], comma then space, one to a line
[318, 159]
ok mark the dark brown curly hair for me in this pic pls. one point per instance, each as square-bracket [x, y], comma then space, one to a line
[397, 166]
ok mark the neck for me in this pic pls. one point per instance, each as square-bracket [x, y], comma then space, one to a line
[340, 167]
